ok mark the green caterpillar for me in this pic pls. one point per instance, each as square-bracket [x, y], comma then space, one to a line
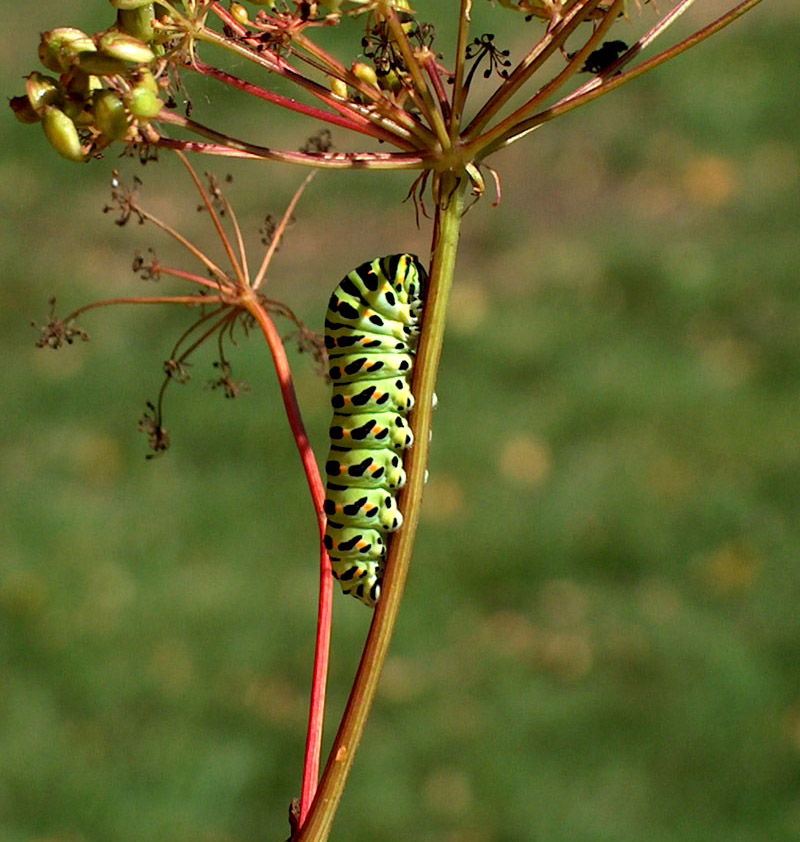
[371, 331]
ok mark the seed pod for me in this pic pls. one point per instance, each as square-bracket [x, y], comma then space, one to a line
[42, 90]
[61, 47]
[119, 45]
[143, 103]
[62, 134]
[110, 115]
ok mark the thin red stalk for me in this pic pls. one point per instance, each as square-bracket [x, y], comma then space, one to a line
[189, 246]
[226, 243]
[232, 148]
[277, 237]
[187, 300]
[387, 111]
[432, 69]
[193, 329]
[353, 121]
[325, 606]
[190, 277]
[226, 315]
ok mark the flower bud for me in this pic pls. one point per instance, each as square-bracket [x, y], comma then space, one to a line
[62, 134]
[42, 90]
[143, 103]
[365, 73]
[23, 110]
[119, 45]
[110, 115]
[60, 48]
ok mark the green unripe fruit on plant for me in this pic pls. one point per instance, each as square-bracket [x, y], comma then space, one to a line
[143, 103]
[62, 134]
[119, 45]
[60, 48]
[365, 73]
[42, 90]
[110, 115]
[23, 110]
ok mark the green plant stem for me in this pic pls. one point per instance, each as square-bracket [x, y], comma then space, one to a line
[449, 210]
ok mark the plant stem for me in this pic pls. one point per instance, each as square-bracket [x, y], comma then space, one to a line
[324, 609]
[449, 209]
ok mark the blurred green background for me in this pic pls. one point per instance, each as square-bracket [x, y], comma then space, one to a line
[600, 640]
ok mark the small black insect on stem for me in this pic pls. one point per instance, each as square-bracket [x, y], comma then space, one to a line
[603, 57]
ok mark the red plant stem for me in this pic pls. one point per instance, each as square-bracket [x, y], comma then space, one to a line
[354, 121]
[275, 64]
[188, 300]
[232, 148]
[325, 607]
[432, 69]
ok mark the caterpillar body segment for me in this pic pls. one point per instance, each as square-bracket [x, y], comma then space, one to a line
[392, 394]
[376, 468]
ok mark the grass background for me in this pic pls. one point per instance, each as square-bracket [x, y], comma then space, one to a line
[600, 640]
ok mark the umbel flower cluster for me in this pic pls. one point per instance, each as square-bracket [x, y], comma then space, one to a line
[105, 90]
[125, 84]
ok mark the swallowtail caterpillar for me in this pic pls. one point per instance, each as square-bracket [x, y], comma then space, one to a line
[371, 332]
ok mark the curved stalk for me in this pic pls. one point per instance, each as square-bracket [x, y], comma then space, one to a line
[232, 148]
[449, 210]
